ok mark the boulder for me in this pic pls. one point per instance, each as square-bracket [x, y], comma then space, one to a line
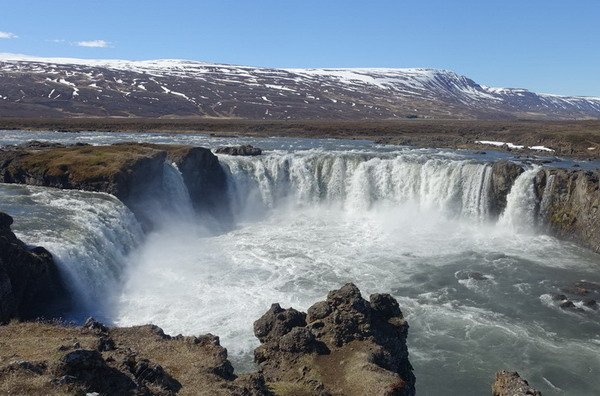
[511, 384]
[245, 150]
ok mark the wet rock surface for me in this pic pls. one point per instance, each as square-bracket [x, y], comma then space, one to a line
[30, 284]
[511, 384]
[132, 172]
[504, 174]
[569, 203]
[245, 150]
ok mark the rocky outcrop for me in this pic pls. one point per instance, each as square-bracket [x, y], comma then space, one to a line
[511, 384]
[126, 171]
[504, 174]
[570, 205]
[204, 178]
[132, 172]
[344, 345]
[246, 150]
[30, 285]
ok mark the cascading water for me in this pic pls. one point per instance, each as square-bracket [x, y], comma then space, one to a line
[521, 203]
[409, 222]
[177, 197]
[357, 182]
[89, 234]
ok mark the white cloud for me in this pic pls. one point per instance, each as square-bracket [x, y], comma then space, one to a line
[8, 35]
[93, 44]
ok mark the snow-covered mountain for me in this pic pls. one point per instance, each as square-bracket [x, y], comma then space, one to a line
[76, 87]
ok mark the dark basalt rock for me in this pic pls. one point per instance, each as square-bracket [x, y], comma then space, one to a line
[511, 384]
[277, 322]
[88, 368]
[30, 284]
[504, 174]
[593, 304]
[344, 334]
[134, 173]
[245, 150]
[570, 205]
[568, 305]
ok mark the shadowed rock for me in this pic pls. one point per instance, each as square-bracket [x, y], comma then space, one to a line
[504, 174]
[30, 284]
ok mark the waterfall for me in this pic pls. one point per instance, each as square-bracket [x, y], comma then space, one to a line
[521, 202]
[176, 195]
[357, 182]
[89, 234]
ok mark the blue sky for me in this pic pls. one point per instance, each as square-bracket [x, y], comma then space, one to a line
[548, 46]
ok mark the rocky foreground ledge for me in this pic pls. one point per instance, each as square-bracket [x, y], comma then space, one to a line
[345, 345]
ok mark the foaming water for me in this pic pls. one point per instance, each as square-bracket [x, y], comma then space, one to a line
[356, 182]
[520, 212]
[461, 332]
[90, 235]
[414, 223]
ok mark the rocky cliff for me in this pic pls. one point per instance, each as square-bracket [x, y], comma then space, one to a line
[132, 172]
[504, 174]
[30, 285]
[569, 205]
[568, 201]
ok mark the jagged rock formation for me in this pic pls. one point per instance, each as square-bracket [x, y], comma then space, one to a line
[104, 88]
[570, 205]
[511, 384]
[345, 345]
[247, 150]
[30, 285]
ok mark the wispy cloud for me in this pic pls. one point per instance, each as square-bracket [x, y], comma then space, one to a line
[93, 44]
[8, 35]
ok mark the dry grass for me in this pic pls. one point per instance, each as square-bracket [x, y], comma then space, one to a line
[85, 162]
[37, 342]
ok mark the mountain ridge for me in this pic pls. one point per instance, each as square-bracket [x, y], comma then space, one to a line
[35, 86]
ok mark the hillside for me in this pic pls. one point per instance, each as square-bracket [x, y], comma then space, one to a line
[49, 87]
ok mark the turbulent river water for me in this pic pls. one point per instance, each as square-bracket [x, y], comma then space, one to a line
[310, 215]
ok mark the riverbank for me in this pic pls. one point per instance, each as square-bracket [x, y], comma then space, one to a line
[575, 139]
